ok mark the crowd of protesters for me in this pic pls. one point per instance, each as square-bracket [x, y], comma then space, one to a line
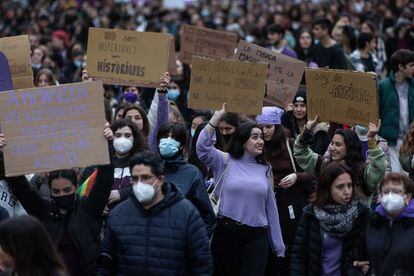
[201, 192]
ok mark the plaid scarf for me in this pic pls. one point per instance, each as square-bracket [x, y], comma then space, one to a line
[337, 220]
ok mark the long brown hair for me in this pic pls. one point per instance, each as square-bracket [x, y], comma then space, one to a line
[31, 249]
[322, 195]
[145, 121]
[408, 144]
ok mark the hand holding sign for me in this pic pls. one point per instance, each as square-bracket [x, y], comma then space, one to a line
[165, 80]
[2, 141]
[222, 111]
[215, 119]
[108, 133]
[310, 125]
[373, 130]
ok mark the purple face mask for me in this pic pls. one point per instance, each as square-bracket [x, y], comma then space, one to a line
[130, 97]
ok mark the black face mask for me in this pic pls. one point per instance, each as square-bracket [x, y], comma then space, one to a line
[227, 137]
[64, 202]
[2, 173]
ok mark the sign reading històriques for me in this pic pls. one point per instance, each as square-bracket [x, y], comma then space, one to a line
[128, 57]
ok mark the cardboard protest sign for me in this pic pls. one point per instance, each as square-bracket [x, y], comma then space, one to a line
[55, 127]
[6, 82]
[342, 96]
[206, 42]
[240, 84]
[172, 64]
[17, 51]
[127, 57]
[285, 73]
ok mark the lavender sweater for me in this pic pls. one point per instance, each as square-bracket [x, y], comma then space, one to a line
[162, 118]
[247, 196]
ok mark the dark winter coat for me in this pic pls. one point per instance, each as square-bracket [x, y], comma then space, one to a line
[389, 108]
[83, 223]
[388, 248]
[290, 201]
[167, 239]
[308, 246]
[189, 180]
[321, 137]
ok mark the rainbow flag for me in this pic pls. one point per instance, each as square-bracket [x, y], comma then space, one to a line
[87, 186]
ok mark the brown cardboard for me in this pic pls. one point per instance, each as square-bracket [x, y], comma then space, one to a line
[17, 51]
[341, 96]
[172, 64]
[54, 127]
[206, 42]
[215, 81]
[127, 57]
[285, 73]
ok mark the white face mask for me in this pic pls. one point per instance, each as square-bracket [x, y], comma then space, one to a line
[393, 203]
[144, 192]
[122, 145]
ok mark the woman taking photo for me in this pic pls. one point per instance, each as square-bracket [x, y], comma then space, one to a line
[292, 186]
[248, 219]
[386, 246]
[329, 225]
[27, 250]
[345, 147]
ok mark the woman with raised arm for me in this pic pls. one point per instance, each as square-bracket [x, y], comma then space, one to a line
[346, 148]
[73, 222]
[248, 219]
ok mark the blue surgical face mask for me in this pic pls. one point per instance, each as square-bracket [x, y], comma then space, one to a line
[36, 66]
[205, 13]
[173, 94]
[192, 132]
[168, 147]
[250, 38]
[361, 130]
[77, 63]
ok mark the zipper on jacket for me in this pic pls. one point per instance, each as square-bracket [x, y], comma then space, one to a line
[147, 245]
[322, 240]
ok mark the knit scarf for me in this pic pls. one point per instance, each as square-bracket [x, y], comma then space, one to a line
[335, 219]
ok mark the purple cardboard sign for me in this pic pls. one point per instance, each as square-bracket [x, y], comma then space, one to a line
[6, 82]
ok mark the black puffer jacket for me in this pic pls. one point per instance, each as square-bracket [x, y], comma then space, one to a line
[168, 239]
[83, 223]
[308, 245]
[388, 248]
